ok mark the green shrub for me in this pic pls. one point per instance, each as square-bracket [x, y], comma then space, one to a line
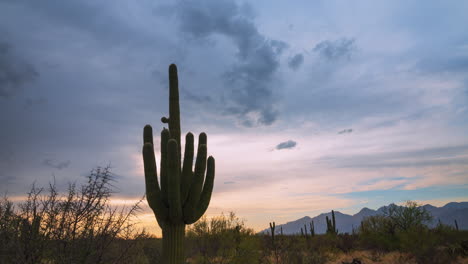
[222, 239]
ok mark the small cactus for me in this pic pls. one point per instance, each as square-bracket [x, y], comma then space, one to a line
[272, 228]
[331, 225]
[456, 225]
[312, 228]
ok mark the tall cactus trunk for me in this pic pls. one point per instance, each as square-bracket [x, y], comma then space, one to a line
[173, 243]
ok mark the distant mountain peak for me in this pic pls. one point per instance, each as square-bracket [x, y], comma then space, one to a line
[345, 223]
[456, 205]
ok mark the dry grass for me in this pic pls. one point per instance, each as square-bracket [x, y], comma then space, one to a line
[368, 257]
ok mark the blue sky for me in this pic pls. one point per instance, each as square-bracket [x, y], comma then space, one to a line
[308, 105]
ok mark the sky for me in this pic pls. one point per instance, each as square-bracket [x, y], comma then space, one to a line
[308, 106]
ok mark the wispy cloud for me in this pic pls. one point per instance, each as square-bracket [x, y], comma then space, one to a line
[335, 50]
[345, 131]
[286, 145]
[56, 164]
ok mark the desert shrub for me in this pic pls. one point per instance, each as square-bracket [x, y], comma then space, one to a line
[425, 246]
[377, 233]
[409, 216]
[78, 227]
[404, 228]
[347, 242]
[222, 239]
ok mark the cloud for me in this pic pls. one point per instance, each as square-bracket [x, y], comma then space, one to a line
[14, 71]
[201, 99]
[335, 50]
[249, 94]
[345, 131]
[419, 158]
[286, 145]
[229, 182]
[444, 64]
[56, 164]
[296, 61]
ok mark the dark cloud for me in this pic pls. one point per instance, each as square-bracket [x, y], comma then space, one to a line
[335, 50]
[286, 145]
[296, 61]
[98, 18]
[14, 71]
[198, 98]
[249, 92]
[56, 164]
[345, 131]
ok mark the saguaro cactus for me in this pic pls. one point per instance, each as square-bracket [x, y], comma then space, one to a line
[272, 228]
[183, 194]
[331, 225]
[312, 228]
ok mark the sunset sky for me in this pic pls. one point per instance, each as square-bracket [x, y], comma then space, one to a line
[308, 105]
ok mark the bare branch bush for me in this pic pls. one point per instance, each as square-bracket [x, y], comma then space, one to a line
[80, 226]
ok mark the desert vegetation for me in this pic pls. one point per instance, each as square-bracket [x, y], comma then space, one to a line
[81, 226]
[77, 226]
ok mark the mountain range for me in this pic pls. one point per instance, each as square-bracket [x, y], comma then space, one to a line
[447, 214]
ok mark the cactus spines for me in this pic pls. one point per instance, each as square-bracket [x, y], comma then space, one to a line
[184, 194]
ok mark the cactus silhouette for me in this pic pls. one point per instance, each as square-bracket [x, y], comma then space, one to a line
[456, 224]
[183, 194]
[272, 227]
[331, 225]
[312, 228]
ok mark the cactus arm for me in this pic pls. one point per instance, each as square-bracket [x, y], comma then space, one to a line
[153, 193]
[197, 182]
[205, 196]
[187, 173]
[165, 136]
[173, 169]
[148, 134]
